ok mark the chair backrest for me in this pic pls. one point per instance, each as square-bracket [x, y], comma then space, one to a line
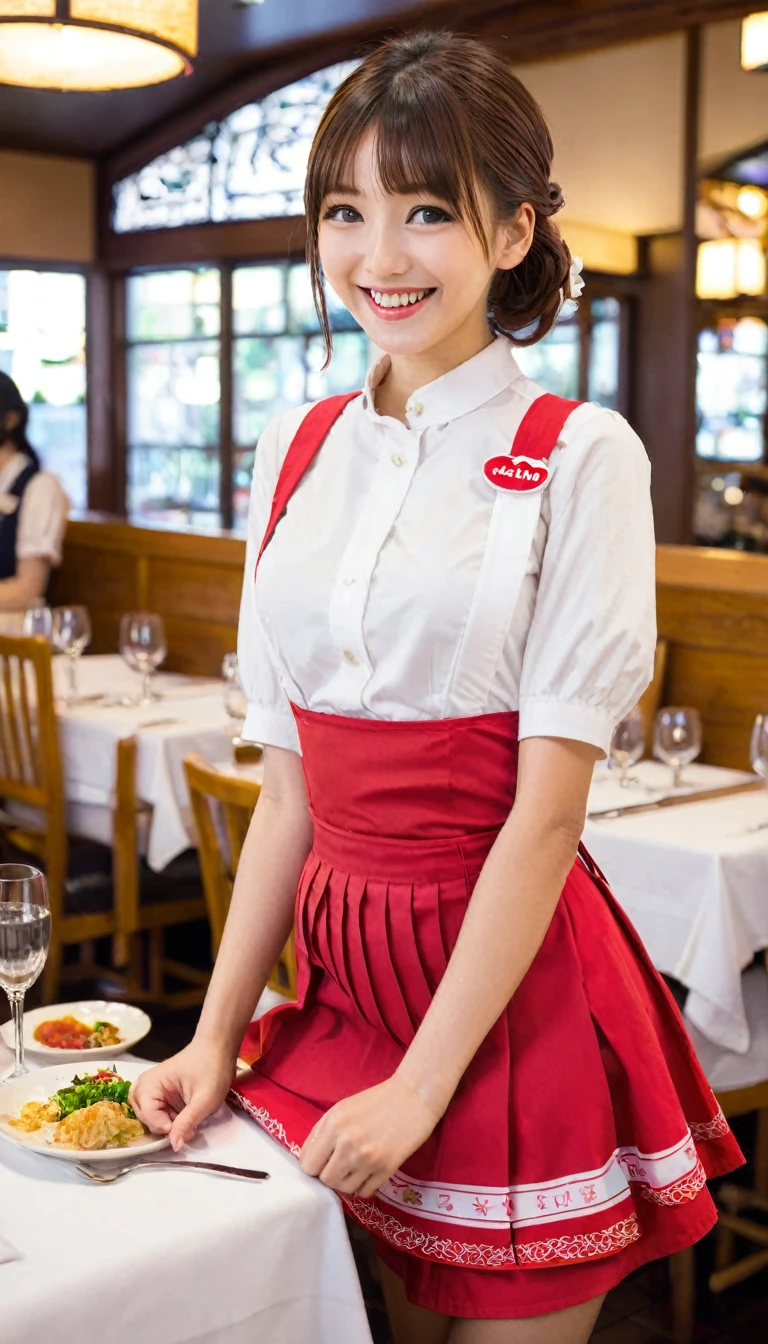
[30, 758]
[222, 806]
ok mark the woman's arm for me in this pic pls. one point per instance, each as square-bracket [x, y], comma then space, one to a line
[176, 1096]
[27, 586]
[364, 1139]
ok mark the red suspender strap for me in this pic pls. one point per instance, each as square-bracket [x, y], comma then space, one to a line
[542, 425]
[307, 442]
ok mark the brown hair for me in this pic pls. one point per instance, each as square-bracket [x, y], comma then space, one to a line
[450, 119]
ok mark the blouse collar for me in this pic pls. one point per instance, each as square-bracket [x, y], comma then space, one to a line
[456, 393]
[12, 469]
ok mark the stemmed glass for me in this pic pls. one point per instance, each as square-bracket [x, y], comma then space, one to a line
[677, 739]
[38, 621]
[235, 700]
[627, 744]
[25, 934]
[758, 748]
[143, 646]
[71, 634]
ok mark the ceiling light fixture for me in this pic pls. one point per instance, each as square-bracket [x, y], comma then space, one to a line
[727, 267]
[91, 45]
[754, 42]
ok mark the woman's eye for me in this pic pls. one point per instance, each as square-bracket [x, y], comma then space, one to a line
[344, 213]
[430, 214]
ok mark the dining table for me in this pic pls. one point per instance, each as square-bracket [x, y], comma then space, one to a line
[187, 716]
[172, 1256]
[691, 872]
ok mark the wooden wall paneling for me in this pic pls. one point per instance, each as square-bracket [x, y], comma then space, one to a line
[192, 581]
[730, 622]
[712, 608]
[728, 689]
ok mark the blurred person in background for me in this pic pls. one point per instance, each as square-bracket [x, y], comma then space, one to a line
[33, 511]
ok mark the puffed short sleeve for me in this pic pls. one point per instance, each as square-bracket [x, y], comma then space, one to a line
[590, 648]
[269, 718]
[42, 520]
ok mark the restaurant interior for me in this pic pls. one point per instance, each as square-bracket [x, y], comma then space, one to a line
[156, 313]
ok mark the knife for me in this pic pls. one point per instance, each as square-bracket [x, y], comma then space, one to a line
[672, 800]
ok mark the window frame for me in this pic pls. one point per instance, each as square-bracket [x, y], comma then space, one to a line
[599, 285]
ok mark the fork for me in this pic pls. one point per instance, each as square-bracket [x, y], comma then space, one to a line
[114, 1173]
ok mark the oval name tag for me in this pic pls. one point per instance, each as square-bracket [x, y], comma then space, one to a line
[522, 474]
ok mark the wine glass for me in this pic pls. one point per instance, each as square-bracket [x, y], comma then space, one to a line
[235, 700]
[230, 669]
[143, 646]
[38, 621]
[677, 739]
[71, 634]
[25, 933]
[627, 744]
[758, 750]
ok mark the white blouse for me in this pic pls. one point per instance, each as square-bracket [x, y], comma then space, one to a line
[400, 585]
[42, 513]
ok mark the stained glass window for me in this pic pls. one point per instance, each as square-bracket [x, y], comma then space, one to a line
[42, 347]
[251, 165]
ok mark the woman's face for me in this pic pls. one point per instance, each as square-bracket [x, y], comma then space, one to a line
[412, 274]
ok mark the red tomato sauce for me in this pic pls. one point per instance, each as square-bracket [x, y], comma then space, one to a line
[63, 1033]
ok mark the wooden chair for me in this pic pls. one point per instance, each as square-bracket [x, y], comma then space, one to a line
[32, 781]
[650, 701]
[220, 847]
[136, 913]
[740, 1083]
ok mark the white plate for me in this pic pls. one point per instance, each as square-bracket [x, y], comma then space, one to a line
[132, 1024]
[39, 1086]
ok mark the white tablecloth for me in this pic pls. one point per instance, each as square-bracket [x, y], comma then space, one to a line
[694, 881]
[175, 1258]
[190, 717]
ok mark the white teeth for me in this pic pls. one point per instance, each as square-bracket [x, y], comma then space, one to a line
[397, 300]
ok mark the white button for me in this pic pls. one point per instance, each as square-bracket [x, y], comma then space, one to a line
[349, 582]
[397, 460]
[350, 657]
[418, 409]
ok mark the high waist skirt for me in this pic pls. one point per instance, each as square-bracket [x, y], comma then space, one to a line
[580, 1138]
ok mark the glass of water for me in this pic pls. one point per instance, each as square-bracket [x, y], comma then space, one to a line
[235, 700]
[677, 739]
[143, 647]
[38, 621]
[25, 935]
[71, 635]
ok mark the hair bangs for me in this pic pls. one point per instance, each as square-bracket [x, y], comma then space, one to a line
[418, 148]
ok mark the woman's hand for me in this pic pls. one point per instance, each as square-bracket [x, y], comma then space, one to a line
[176, 1097]
[364, 1139]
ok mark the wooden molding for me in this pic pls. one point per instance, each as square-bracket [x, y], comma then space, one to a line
[247, 240]
[706, 567]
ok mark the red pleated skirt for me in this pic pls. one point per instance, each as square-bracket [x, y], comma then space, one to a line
[578, 1143]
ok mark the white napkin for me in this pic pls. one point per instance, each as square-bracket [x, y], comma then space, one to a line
[8, 1252]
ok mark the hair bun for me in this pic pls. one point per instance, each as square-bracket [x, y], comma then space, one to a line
[556, 197]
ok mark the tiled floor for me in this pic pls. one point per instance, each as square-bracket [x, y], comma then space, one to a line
[637, 1312]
